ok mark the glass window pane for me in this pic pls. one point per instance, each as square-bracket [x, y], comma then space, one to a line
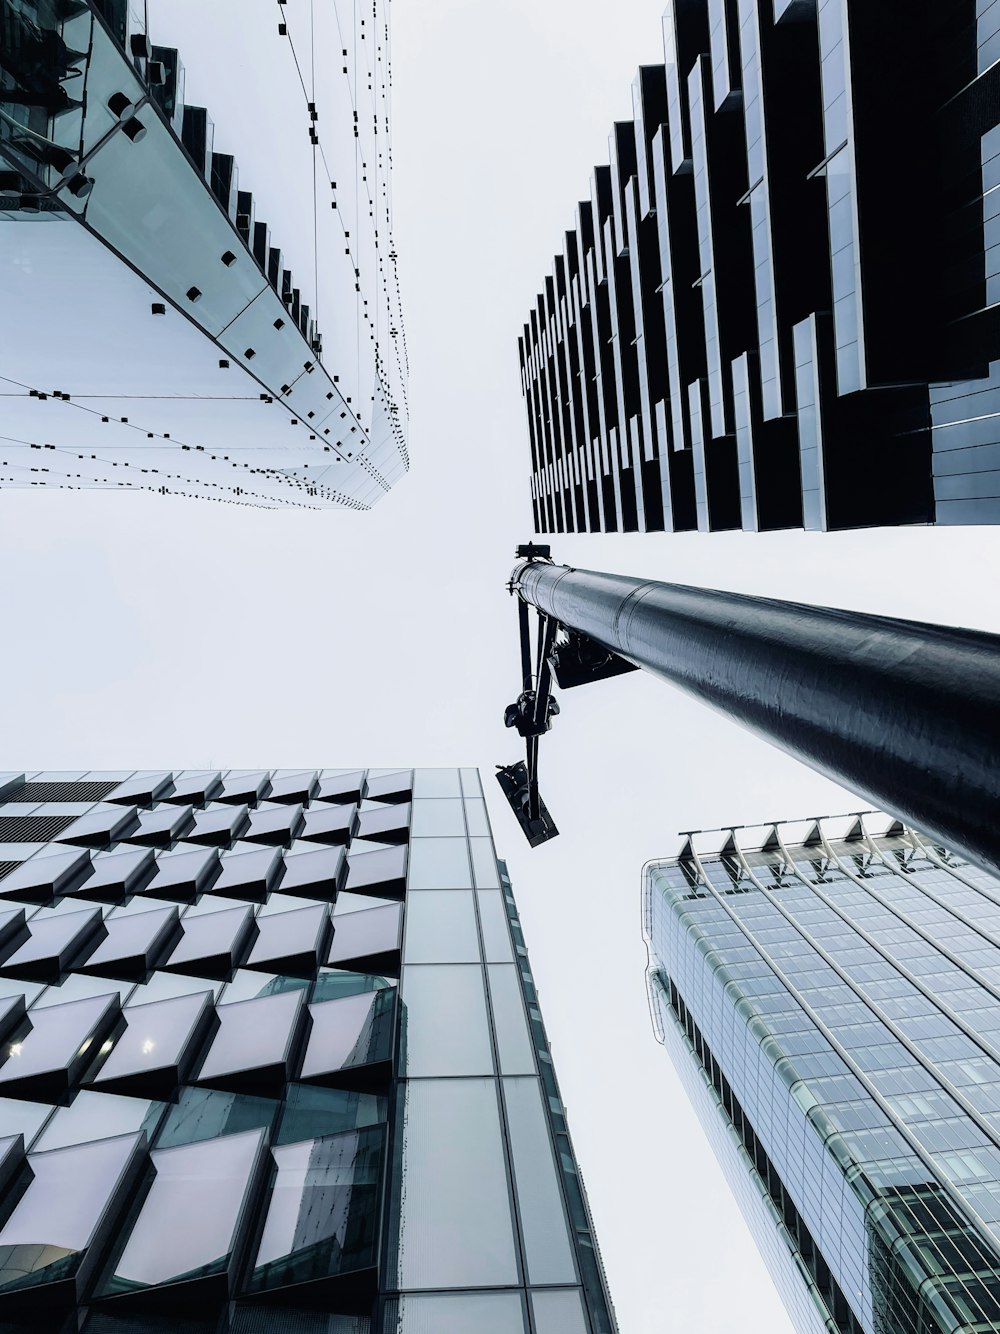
[78, 987]
[471, 786]
[349, 1033]
[211, 940]
[255, 1036]
[93, 1116]
[368, 939]
[56, 940]
[311, 1111]
[333, 983]
[209, 1113]
[164, 986]
[457, 1313]
[475, 816]
[559, 1312]
[496, 933]
[442, 816]
[436, 783]
[152, 1054]
[59, 1214]
[253, 986]
[19, 1117]
[439, 863]
[134, 942]
[447, 1032]
[323, 1214]
[290, 942]
[441, 927]
[484, 863]
[514, 1045]
[455, 1227]
[205, 1185]
[543, 1220]
[61, 1041]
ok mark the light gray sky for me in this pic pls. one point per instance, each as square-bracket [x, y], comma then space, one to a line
[146, 631]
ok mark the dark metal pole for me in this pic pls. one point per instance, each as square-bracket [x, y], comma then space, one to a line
[904, 713]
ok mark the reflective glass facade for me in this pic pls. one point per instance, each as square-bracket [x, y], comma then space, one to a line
[777, 308]
[116, 193]
[828, 993]
[271, 1059]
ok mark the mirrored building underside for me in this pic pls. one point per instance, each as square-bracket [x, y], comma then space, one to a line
[271, 1059]
[172, 323]
[828, 993]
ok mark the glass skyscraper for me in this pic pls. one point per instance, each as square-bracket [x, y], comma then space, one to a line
[271, 1060]
[250, 344]
[828, 993]
[776, 307]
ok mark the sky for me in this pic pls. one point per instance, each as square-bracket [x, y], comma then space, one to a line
[148, 631]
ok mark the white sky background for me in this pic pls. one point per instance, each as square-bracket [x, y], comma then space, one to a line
[146, 631]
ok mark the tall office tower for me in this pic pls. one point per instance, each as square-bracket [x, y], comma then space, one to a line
[272, 1060]
[828, 993]
[160, 335]
[778, 306]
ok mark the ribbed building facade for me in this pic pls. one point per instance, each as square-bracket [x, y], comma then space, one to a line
[272, 1060]
[777, 308]
[290, 342]
[828, 993]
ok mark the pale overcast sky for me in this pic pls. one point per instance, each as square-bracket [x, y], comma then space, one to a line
[151, 631]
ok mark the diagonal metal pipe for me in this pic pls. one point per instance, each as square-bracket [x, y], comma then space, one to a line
[904, 713]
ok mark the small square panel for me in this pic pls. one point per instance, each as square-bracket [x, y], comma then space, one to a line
[382, 873]
[350, 1041]
[248, 872]
[218, 826]
[183, 873]
[257, 1044]
[313, 873]
[243, 786]
[291, 942]
[328, 824]
[276, 825]
[213, 944]
[385, 824]
[293, 787]
[391, 785]
[341, 788]
[368, 942]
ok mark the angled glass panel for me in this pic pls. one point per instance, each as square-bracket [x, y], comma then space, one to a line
[76, 987]
[496, 932]
[212, 943]
[153, 1054]
[514, 1046]
[117, 874]
[559, 1311]
[70, 1206]
[195, 786]
[328, 824]
[368, 941]
[455, 1313]
[54, 943]
[93, 1116]
[243, 786]
[484, 863]
[389, 784]
[275, 825]
[310, 1111]
[382, 872]
[455, 1228]
[142, 789]
[341, 788]
[439, 863]
[291, 942]
[333, 983]
[386, 824]
[183, 873]
[37, 880]
[99, 827]
[323, 1216]
[437, 783]
[248, 872]
[293, 787]
[161, 826]
[134, 944]
[313, 873]
[445, 1024]
[208, 1185]
[255, 986]
[441, 927]
[218, 826]
[19, 1117]
[165, 986]
[444, 817]
[348, 903]
[255, 1045]
[209, 1113]
[349, 1034]
[547, 1245]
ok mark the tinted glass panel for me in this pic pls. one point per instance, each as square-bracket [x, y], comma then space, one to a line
[543, 1222]
[559, 1312]
[455, 1226]
[208, 1113]
[57, 1037]
[311, 1111]
[444, 817]
[475, 816]
[134, 934]
[484, 863]
[436, 783]
[444, 1012]
[439, 863]
[514, 1045]
[441, 927]
[290, 935]
[93, 1116]
[493, 920]
[54, 937]
[205, 1185]
[252, 1034]
[366, 935]
[350, 1032]
[22, 1118]
[254, 986]
[210, 934]
[157, 1037]
[456, 1313]
[323, 1214]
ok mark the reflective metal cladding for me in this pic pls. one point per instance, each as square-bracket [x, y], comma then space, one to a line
[777, 307]
[828, 993]
[274, 1083]
[112, 183]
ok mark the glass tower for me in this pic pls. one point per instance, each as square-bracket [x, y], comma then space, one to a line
[175, 317]
[271, 1060]
[754, 307]
[828, 993]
